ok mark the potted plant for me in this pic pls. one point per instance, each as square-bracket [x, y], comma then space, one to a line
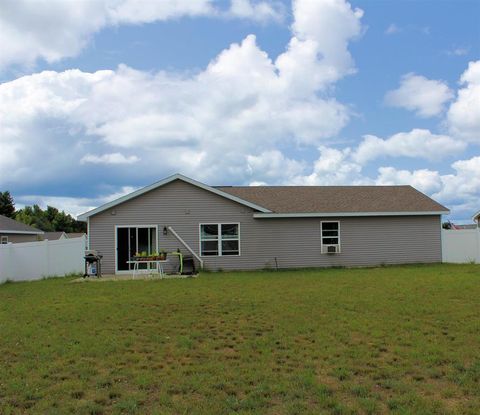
[162, 255]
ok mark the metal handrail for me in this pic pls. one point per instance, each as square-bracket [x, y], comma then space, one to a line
[186, 246]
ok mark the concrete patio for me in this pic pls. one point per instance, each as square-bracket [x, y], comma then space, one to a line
[125, 277]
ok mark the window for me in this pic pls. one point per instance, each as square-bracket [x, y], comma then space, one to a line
[4, 240]
[330, 236]
[219, 239]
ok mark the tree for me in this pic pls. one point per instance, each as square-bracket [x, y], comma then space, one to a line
[34, 216]
[50, 219]
[7, 205]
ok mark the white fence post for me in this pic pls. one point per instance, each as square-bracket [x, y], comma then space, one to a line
[46, 269]
[478, 245]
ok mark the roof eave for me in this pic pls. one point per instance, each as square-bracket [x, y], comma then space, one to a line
[22, 232]
[84, 216]
[346, 214]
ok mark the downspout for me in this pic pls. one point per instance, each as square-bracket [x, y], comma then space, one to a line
[186, 246]
[442, 253]
[88, 233]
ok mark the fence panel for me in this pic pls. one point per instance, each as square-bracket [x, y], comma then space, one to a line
[461, 245]
[36, 260]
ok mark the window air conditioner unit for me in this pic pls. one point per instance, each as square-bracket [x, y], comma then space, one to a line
[332, 249]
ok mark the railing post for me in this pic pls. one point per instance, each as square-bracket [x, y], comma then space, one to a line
[47, 258]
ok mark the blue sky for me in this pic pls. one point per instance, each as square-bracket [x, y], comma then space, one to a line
[175, 95]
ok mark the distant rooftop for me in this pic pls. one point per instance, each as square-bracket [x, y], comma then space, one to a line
[8, 225]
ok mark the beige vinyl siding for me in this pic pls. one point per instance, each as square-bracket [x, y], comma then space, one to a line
[293, 242]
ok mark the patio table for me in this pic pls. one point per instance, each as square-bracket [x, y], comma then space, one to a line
[158, 267]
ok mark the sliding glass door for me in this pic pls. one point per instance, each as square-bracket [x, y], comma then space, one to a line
[133, 239]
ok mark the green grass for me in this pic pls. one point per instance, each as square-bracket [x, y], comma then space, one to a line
[402, 340]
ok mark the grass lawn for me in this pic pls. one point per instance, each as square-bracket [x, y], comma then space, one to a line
[400, 340]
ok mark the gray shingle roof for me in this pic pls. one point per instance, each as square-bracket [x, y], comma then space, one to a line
[71, 235]
[52, 236]
[12, 226]
[336, 199]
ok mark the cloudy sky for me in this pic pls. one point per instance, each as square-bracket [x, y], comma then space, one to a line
[98, 98]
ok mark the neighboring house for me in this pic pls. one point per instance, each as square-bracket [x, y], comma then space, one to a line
[53, 236]
[466, 226]
[268, 226]
[71, 235]
[14, 231]
[476, 218]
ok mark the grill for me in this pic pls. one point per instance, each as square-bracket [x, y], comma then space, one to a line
[93, 265]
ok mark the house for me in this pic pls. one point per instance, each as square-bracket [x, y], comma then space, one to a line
[53, 236]
[476, 218]
[14, 231]
[466, 226]
[71, 235]
[231, 227]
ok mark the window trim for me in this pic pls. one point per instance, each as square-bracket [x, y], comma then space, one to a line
[219, 239]
[321, 236]
[4, 238]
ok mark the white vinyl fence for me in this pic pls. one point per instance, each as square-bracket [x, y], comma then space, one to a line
[36, 260]
[461, 245]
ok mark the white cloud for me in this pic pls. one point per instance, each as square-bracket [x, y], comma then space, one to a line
[392, 29]
[427, 181]
[333, 167]
[426, 97]
[458, 51]
[415, 143]
[72, 205]
[463, 117]
[273, 167]
[259, 11]
[464, 185]
[242, 104]
[56, 29]
[111, 158]
[318, 52]
[137, 12]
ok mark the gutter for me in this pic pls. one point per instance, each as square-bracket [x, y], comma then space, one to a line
[344, 214]
[22, 232]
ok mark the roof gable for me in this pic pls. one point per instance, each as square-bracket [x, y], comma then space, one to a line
[139, 192]
[51, 236]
